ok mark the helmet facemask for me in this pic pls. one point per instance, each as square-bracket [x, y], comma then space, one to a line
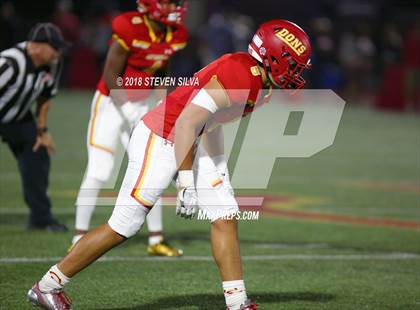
[177, 15]
[284, 71]
[168, 12]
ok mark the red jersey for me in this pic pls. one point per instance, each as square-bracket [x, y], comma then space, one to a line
[237, 73]
[148, 51]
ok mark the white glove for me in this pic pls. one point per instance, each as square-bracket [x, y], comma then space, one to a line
[187, 200]
[222, 169]
[187, 203]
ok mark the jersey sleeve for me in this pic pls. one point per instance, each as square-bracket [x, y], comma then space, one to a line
[121, 31]
[180, 38]
[51, 89]
[8, 72]
[236, 79]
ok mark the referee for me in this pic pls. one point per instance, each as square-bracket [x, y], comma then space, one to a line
[29, 73]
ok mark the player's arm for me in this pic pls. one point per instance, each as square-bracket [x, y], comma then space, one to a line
[161, 91]
[213, 143]
[189, 125]
[192, 121]
[115, 64]
[42, 108]
[44, 138]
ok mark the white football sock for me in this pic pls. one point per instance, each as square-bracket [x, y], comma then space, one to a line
[155, 239]
[154, 221]
[86, 202]
[52, 280]
[235, 294]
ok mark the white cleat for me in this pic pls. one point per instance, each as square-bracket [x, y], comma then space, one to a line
[55, 300]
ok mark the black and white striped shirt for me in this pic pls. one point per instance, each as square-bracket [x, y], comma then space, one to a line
[21, 83]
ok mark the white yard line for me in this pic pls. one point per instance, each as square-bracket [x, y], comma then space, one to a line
[338, 257]
[291, 246]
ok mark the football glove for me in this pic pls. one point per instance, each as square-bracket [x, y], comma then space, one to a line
[187, 202]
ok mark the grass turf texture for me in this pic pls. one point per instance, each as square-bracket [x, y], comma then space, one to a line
[372, 170]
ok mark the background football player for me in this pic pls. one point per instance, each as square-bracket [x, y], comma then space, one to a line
[142, 43]
[186, 114]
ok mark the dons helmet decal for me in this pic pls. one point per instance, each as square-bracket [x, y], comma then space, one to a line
[290, 39]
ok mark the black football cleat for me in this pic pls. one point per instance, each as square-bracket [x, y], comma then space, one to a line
[52, 226]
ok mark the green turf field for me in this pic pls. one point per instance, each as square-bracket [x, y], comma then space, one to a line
[339, 230]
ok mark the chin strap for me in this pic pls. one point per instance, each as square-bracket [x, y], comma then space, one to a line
[270, 76]
[267, 69]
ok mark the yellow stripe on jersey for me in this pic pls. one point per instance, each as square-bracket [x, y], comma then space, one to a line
[121, 42]
[152, 33]
[141, 44]
[169, 34]
[179, 46]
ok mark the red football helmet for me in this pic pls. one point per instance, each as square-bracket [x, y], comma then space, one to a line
[169, 12]
[283, 48]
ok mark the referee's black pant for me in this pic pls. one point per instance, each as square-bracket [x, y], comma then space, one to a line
[34, 167]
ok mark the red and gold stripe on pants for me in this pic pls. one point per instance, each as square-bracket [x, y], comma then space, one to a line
[92, 128]
[135, 193]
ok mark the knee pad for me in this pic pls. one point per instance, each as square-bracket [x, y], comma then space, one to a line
[100, 165]
[127, 220]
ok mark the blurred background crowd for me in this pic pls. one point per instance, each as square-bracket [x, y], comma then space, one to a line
[366, 50]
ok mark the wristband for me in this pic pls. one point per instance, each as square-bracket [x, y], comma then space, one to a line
[185, 178]
[41, 130]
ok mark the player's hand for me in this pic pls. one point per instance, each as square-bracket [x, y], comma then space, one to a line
[44, 140]
[187, 202]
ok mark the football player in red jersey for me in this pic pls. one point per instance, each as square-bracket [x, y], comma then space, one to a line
[141, 45]
[163, 145]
